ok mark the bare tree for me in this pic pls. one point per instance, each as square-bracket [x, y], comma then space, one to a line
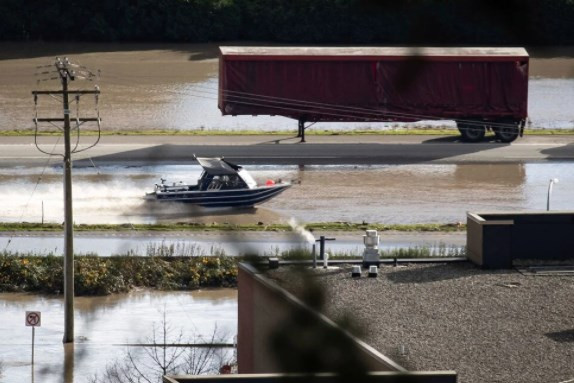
[168, 352]
[207, 360]
[164, 355]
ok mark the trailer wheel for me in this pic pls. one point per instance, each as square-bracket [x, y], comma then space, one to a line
[507, 133]
[471, 133]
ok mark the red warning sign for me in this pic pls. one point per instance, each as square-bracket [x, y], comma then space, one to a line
[33, 318]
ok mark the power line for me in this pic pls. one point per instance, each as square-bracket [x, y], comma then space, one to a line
[67, 72]
[40, 178]
[333, 110]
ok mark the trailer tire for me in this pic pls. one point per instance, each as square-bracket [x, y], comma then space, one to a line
[507, 132]
[472, 133]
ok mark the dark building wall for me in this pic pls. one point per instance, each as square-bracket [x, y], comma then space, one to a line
[495, 240]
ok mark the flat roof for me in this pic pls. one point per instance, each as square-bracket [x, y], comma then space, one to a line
[487, 325]
[374, 51]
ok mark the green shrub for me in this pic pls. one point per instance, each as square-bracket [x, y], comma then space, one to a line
[107, 275]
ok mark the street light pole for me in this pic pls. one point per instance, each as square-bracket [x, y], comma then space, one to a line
[552, 182]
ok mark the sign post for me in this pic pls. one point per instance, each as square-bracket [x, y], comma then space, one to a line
[33, 319]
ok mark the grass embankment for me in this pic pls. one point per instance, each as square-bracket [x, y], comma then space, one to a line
[312, 132]
[185, 226]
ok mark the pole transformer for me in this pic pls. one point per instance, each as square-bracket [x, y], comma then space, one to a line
[67, 73]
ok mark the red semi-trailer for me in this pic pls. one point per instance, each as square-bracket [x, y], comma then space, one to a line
[479, 88]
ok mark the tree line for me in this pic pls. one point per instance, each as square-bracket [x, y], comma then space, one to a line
[492, 22]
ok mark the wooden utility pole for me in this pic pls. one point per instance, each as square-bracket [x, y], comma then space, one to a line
[66, 73]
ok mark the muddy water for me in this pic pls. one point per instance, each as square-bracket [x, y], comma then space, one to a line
[175, 87]
[425, 193]
[103, 326]
[386, 194]
[115, 195]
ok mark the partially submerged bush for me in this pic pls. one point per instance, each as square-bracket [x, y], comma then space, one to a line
[106, 275]
[171, 270]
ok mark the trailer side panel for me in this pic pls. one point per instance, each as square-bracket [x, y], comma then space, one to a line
[316, 84]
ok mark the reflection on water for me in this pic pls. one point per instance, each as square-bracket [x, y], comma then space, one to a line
[490, 175]
[102, 324]
[423, 193]
[386, 194]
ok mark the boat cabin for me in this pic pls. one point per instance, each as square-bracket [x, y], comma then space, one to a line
[218, 174]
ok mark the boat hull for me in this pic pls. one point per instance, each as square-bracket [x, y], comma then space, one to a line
[221, 198]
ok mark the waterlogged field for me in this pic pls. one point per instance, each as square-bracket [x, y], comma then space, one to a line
[151, 87]
[176, 89]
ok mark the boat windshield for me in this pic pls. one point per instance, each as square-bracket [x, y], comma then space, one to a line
[249, 181]
[222, 182]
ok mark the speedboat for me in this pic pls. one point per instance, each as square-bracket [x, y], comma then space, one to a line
[221, 184]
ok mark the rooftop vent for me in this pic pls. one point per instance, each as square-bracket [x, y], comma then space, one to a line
[371, 252]
[273, 263]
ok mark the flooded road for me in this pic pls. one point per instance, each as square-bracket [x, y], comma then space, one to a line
[394, 194]
[103, 327]
[175, 87]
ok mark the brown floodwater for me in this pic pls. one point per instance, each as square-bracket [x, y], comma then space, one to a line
[104, 326]
[175, 87]
[421, 193]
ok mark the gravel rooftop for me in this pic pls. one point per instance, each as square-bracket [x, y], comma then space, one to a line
[489, 326]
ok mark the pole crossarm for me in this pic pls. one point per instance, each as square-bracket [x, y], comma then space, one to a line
[80, 92]
[81, 119]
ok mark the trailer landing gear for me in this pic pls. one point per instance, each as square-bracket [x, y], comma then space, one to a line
[301, 131]
[302, 127]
